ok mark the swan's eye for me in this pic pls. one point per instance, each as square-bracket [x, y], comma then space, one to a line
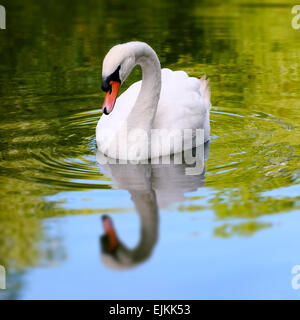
[115, 76]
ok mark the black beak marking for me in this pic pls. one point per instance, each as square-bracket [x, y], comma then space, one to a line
[105, 85]
[113, 77]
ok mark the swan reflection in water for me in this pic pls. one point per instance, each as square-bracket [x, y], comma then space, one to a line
[152, 187]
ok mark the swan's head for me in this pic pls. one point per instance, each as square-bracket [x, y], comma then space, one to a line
[114, 254]
[117, 65]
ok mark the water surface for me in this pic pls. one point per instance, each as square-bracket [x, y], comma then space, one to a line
[232, 232]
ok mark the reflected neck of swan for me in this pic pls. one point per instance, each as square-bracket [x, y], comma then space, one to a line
[146, 205]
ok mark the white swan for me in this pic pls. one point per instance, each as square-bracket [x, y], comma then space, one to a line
[164, 99]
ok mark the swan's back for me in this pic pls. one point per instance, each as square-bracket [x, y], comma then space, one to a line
[184, 102]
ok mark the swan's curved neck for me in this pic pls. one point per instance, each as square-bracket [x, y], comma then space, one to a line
[146, 205]
[144, 110]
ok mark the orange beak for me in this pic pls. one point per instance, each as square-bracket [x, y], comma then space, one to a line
[111, 97]
[110, 232]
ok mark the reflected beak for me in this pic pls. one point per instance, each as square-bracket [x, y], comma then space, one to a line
[111, 97]
[110, 233]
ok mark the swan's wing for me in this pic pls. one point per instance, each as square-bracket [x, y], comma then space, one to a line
[184, 102]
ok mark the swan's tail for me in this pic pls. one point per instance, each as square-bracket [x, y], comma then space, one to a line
[205, 90]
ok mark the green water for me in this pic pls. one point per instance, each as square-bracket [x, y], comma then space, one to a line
[50, 98]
